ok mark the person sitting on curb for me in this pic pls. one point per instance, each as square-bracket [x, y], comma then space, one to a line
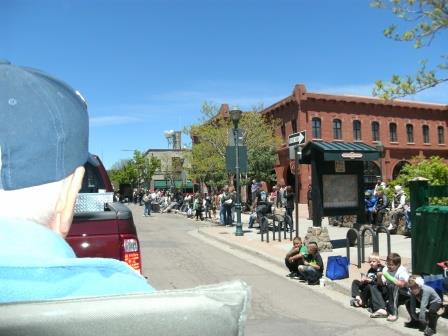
[44, 136]
[295, 257]
[392, 285]
[428, 301]
[360, 288]
[313, 266]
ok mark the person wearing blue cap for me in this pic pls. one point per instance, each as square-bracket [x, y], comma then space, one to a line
[43, 147]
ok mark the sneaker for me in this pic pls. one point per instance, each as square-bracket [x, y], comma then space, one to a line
[291, 275]
[429, 332]
[380, 313]
[414, 324]
[313, 282]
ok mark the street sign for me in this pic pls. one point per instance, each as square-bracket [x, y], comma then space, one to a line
[297, 138]
[240, 137]
[231, 159]
[292, 152]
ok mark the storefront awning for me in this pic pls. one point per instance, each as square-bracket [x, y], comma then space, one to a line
[340, 151]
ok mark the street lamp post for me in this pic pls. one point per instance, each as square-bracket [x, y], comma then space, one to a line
[379, 146]
[235, 115]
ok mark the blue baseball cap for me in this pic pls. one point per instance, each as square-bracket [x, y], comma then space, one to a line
[44, 128]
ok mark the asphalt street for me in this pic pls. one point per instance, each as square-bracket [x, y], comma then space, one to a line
[176, 255]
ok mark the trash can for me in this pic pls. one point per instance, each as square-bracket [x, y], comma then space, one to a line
[430, 239]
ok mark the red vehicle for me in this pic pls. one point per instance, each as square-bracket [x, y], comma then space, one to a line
[108, 232]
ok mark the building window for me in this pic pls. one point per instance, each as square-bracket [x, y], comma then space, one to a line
[441, 135]
[283, 133]
[294, 125]
[425, 130]
[393, 132]
[315, 124]
[337, 129]
[356, 130]
[375, 131]
[410, 133]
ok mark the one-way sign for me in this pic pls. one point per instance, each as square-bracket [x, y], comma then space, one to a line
[297, 138]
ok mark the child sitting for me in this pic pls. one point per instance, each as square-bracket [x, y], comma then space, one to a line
[392, 284]
[427, 299]
[295, 257]
[313, 266]
[360, 288]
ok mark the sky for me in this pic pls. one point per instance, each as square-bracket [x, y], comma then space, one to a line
[147, 66]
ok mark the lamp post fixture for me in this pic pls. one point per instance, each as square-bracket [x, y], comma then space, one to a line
[235, 115]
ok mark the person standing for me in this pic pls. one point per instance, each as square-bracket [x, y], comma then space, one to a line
[290, 196]
[309, 199]
[147, 203]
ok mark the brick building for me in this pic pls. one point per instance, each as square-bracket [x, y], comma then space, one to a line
[403, 128]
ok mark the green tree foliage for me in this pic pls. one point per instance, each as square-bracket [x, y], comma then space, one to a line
[210, 139]
[138, 171]
[435, 169]
[424, 19]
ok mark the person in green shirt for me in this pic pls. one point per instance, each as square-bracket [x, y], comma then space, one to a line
[313, 266]
[295, 257]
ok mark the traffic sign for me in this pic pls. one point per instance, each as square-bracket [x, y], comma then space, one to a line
[297, 138]
[240, 134]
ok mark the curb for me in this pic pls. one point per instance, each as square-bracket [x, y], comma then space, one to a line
[442, 325]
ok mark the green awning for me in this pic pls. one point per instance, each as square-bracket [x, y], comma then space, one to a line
[165, 184]
[340, 151]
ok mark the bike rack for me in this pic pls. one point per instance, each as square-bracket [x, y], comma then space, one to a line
[379, 229]
[362, 242]
[358, 245]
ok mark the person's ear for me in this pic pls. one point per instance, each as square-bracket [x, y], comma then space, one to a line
[66, 203]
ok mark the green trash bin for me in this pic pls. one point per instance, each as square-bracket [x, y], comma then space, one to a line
[429, 239]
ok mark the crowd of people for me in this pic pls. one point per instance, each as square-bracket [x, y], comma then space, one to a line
[377, 205]
[219, 205]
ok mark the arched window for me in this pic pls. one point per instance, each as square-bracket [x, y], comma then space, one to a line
[375, 131]
[410, 133]
[315, 125]
[337, 129]
[425, 129]
[356, 130]
[441, 135]
[393, 132]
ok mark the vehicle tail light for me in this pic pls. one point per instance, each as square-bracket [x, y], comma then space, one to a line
[131, 252]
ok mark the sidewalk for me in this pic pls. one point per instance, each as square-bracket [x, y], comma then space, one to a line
[275, 250]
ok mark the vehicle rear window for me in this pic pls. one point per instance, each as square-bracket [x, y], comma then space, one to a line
[92, 180]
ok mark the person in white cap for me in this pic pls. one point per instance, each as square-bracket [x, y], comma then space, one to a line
[398, 207]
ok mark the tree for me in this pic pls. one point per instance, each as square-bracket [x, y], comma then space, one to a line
[434, 169]
[426, 18]
[211, 138]
[138, 171]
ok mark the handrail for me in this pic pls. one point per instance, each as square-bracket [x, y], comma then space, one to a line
[379, 229]
[358, 246]
[363, 236]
